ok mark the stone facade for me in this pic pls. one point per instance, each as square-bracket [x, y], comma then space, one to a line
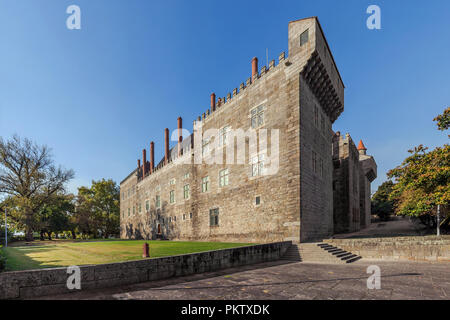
[288, 198]
[353, 173]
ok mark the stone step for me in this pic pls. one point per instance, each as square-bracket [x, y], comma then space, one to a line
[319, 253]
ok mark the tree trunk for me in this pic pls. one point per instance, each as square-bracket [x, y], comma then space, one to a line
[49, 235]
[42, 235]
[73, 235]
[28, 234]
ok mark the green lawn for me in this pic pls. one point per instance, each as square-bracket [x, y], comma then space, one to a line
[49, 254]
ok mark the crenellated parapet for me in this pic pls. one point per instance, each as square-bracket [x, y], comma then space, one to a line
[318, 79]
[224, 101]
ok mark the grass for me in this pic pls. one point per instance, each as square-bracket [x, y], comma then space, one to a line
[49, 254]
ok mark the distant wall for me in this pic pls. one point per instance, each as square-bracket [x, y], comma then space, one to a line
[34, 283]
[431, 249]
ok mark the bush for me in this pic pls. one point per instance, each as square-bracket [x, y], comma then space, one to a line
[2, 260]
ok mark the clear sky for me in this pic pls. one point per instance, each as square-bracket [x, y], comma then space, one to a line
[99, 95]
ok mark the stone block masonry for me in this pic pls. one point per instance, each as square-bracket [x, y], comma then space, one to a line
[36, 283]
[430, 248]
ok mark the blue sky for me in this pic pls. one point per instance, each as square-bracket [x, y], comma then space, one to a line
[99, 95]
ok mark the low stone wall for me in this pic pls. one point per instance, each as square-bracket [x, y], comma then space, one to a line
[428, 248]
[33, 283]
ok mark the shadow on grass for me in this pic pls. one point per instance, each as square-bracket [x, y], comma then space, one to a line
[17, 258]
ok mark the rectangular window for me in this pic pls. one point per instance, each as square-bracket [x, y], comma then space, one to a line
[205, 184]
[314, 161]
[258, 200]
[190, 215]
[175, 218]
[223, 134]
[172, 182]
[186, 175]
[172, 196]
[128, 211]
[214, 217]
[257, 165]
[223, 178]
[257, 117]
[134, 210]
[186, 193]
[147, 205]
[304, 37]
[158, 201]
[184, 216]
[140, 208]
[205, 147]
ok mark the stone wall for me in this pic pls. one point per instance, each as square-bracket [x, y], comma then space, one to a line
[34, 283]
[294, 201]
[398, 248]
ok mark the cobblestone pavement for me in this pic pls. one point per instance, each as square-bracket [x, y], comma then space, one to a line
[286, 280]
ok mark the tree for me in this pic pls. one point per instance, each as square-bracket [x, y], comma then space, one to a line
[97, 211]
[443, 120]
[382, 204]
[55, 215]
[423, 179]
[27, 174]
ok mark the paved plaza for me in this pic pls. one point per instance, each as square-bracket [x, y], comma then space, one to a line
[282, 280]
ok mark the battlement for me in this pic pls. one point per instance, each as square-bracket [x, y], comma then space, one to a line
[222, 102]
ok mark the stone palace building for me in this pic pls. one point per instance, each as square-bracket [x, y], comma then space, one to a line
[261, 164]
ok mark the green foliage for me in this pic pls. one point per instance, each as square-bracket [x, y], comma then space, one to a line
[29, 178]
[422, 181]
[382, 204]
[97, 210]
[443, 120]
[2, 260]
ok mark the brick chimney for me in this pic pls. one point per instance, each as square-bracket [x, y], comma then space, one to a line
[166, 146]
[254, 68]
[139, 168]
[180, 134]
[144, 162]
[213, 102]
[152, 156]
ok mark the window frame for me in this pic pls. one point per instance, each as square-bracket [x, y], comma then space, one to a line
[224, 179]
[257, 114]
[214, 217]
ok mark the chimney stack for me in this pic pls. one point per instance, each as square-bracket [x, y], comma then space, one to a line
[139, 168]
[166, 146]
[254, 68]
[152, 156]
[144, 162]
[180, 134]
[213, 102]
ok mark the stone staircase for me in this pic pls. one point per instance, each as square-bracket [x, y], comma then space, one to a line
[319, 253]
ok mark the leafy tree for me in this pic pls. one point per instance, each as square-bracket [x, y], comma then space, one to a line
[28, 175]
[382, 204]
[443, 120]
[55, 215]
[97, 211]
[423, 179]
